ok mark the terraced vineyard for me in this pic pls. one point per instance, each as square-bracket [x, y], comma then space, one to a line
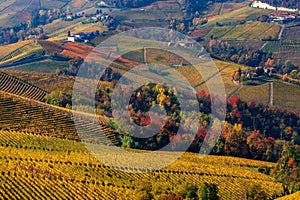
[39, 118]
[40, 165]
[18, 87]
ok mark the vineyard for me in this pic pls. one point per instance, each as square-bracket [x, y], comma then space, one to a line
[8, 49]
[51, 47]
[44, 81]
[60, 168]
[39, 118]
[291, 33]
[73, 50]
[242, 14]
[285, 95]
[16, 52]
[250, 31]
[290, 197]
[18, 87]
[290, 50]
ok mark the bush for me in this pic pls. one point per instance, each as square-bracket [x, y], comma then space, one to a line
[190, 191]
[208, 192]
[256, 192]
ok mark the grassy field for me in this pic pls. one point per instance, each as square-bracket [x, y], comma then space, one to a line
[258, 94]
[285, 95]
[242, 14]
[44, 66]
[15, 52]
[250, 31]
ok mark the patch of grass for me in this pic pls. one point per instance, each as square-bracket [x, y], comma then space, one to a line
[47, 67]
[286, 95]
[258, 94]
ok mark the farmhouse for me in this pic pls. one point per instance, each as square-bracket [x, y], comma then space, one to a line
[83, 37]
[186, 44]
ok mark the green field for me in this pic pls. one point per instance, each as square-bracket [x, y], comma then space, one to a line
[242, 14]
[249, 31]
[45, 66]
[20, 51]
[285, 95]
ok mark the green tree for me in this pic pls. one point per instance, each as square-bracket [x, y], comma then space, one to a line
[190, 191]
[208, 191]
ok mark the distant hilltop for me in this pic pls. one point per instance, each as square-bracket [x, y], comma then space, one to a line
[259, 4]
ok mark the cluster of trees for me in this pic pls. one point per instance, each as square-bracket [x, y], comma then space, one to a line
[129, 4]
[251, 131]
[139, 105]
[73, 68]
[223, 50]
[31, 27]
[206, 191]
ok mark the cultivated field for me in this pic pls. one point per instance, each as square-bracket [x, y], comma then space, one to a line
[58, 29]
[258, 94]
[285, 95]
[19, 87]
[250, 31]
[14, 52]
[201, 32]
[242, 14]
[12, 12]
[291, 33]
[65, 168]
[290, 50]
[47, 66]
[73, 50]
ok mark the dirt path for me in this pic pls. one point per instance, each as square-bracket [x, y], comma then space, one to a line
[236, 90]
[271, 93]
[281, 31]
[221, 8]
[263, 46]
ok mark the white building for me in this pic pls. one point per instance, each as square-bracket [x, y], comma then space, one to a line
[259, 4]
[71, 39]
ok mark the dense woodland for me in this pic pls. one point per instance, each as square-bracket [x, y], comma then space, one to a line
[251, 131]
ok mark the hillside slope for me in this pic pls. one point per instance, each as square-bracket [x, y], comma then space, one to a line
[65, 168]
